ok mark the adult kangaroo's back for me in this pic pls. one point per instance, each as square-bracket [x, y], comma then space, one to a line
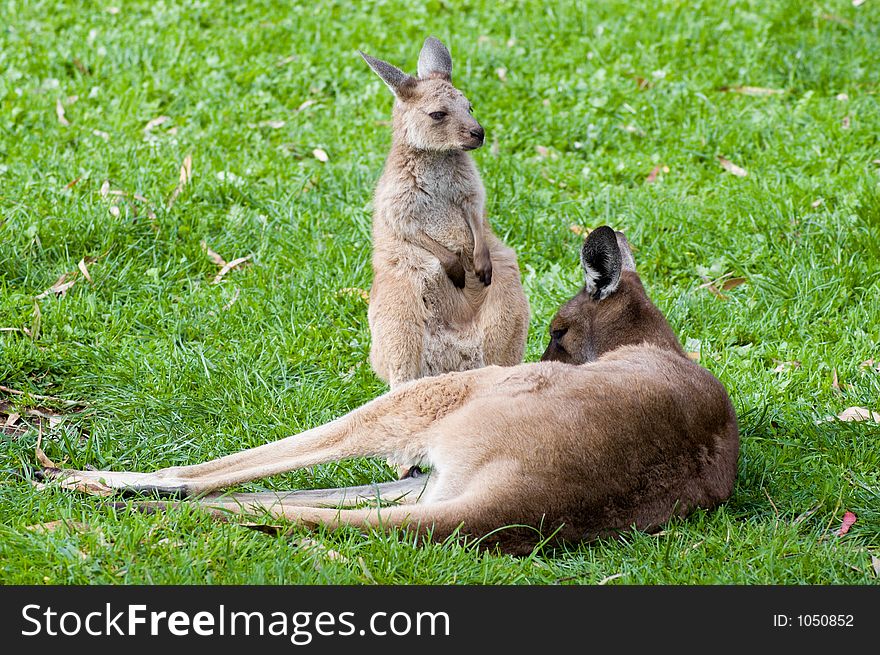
[446, 293]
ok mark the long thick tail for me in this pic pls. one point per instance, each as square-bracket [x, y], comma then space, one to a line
[399, 492]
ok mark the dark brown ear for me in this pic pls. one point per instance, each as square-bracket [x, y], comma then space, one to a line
[435, 60]
[398, 81]
[602, 263]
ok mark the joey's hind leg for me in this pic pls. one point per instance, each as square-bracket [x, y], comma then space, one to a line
[397, 316]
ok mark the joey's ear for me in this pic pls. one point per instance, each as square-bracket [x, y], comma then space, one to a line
[602, 262]
[628, 262]
[435, 60]
[398, 81]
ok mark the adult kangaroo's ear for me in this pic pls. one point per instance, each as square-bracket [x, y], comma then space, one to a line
[398, 81]
[628, 262]
[602, 262]
[435, 60]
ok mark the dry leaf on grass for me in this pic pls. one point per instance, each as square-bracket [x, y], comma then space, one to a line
[307, 543]
[186, 171]
[732, 283]
[805, 515]
[732, 168]
[156, 122]
[694, 356]
[363, 294]
[652, 176]
[845, 122]
[213, 256]
[84, 270]
[53, 418]
[81, 67]
[62, 284]
[101, 134]
[9, 426]
[184, 178]
[724, 283]
[34, 332]
[579, 230]
[870, 364]
[835, 383]
[751, 90]
[858, 414]
[784, 366]
[543, 151]
[235, 263]
[59, 112]
[41, 456]
[306, 104]
[232, 300]
[320, 155]
[52, 526]
[17, 392]
[501, 73]
[848, 519]
[875, 564]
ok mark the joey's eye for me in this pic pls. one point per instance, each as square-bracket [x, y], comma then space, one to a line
[438, 115]
[556, 335]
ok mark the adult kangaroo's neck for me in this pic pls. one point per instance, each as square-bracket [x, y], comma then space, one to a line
[631, 319]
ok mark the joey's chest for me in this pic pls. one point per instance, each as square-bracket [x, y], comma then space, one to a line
[441, 209]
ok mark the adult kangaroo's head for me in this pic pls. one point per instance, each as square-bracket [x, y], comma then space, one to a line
[430, 113]
[612, 309]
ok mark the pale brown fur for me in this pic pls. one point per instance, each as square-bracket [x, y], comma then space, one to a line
[624, 432]
[446, 293]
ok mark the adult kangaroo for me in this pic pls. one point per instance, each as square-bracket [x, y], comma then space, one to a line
[615, 429]
[446, 293]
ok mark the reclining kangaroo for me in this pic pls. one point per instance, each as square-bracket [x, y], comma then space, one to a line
[630, 435]
[432, 309]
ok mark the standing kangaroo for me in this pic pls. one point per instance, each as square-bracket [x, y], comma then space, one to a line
[632, 434]
[446, 292]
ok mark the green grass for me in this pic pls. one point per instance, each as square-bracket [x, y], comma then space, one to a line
[171, 377]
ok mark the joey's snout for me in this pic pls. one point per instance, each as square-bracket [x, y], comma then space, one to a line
[475, 137]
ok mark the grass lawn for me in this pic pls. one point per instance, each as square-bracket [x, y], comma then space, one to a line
[617, 112]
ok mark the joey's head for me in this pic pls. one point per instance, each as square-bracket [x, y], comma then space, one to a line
[612, 309]
[429, 113]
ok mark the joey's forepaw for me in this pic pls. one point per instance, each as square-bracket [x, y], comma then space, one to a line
[483, 272]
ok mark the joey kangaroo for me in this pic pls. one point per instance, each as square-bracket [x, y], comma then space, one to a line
[615, 429]
[446, 293]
